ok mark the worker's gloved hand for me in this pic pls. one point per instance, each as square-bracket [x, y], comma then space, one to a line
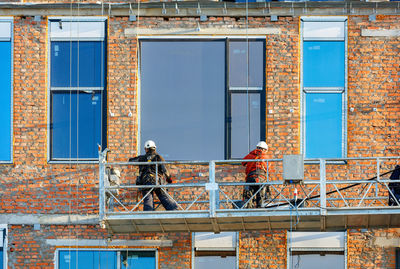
[169, 180]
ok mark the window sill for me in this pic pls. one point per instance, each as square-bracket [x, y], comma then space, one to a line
[338, 162]
[73, 161]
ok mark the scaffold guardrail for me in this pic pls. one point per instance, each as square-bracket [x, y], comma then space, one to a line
[214, 190]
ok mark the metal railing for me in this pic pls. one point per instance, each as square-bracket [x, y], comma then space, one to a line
[331, 186]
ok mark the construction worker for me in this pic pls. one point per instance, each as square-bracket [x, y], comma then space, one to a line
[255, 173]
[147, 176]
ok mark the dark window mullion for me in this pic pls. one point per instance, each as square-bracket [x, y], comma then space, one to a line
[228, 102]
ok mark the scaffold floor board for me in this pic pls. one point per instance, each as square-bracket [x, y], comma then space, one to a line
[253, 220]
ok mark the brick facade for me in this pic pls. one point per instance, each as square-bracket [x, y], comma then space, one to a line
[33, 186]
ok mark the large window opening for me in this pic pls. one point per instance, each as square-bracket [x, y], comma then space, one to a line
[215, 250]
[314, 250]
[202, 99]
[6, 92]
[324, 87]
[77, 89]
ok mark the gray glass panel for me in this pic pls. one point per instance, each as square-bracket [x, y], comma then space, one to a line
[245, 122]
[182, 98]
[239, 53]
[208, 262]
[316, 261]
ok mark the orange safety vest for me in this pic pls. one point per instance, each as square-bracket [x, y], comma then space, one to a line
[260, 167]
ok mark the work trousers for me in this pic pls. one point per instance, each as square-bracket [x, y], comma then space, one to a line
[148, 201]
[249, 191]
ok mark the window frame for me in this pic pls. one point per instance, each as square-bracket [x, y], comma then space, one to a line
[222, 251]
[305, 90]
[315, 250]
[4, 229]
[74, 36]
[11, 40]
[117, 249]
[228, 91]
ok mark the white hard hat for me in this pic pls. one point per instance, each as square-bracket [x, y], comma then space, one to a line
[262, 145]
[149, 144]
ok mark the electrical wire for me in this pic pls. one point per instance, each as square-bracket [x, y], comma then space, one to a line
[330, 192]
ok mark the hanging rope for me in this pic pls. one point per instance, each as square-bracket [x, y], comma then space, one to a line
[70, 136]
[247, 78]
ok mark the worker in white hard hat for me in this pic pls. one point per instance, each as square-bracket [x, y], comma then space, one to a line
[147, 176]
[255, 173]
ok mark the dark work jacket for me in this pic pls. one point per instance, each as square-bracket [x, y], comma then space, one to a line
[146, 170]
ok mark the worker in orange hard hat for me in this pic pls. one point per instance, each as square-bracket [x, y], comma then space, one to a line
[255, 173]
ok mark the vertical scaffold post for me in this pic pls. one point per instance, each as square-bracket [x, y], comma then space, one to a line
[102, 202]
[322, 182]
[378, 175]
[213, 189]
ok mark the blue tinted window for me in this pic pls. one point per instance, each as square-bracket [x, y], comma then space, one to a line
[73, 61]
[1, 258]
[138, 259]
[324, 125]
[5, 101]
[87, 259]
[323, 64]
[76, 124]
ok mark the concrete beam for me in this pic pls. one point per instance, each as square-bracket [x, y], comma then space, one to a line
[385, 242]
[108, 243]
[208, 8]
[48, 219]
[132, 32]
[380, 32]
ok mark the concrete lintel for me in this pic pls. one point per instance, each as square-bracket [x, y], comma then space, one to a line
[380, 32]
[132, 32]
[106, 243]
[208, 8]
[48, 219]
[387, 242]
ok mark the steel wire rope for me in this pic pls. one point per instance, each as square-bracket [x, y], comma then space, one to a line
[77, 126]
[101, 119]
[70, 136]
[103, 100]
[247, 77]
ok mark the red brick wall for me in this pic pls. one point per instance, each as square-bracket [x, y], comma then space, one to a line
[374, 81]
[283, 94]
[262, 250]
[365, 248]
[31, 185]
[28, 248]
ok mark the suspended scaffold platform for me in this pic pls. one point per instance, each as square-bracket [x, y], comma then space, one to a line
[336, 194]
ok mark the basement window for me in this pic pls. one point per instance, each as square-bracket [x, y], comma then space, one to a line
[6, 93]
[77, 88]
[202, 99]
[106, 259]
[3, 244]
[215, 250]
[312, 250]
